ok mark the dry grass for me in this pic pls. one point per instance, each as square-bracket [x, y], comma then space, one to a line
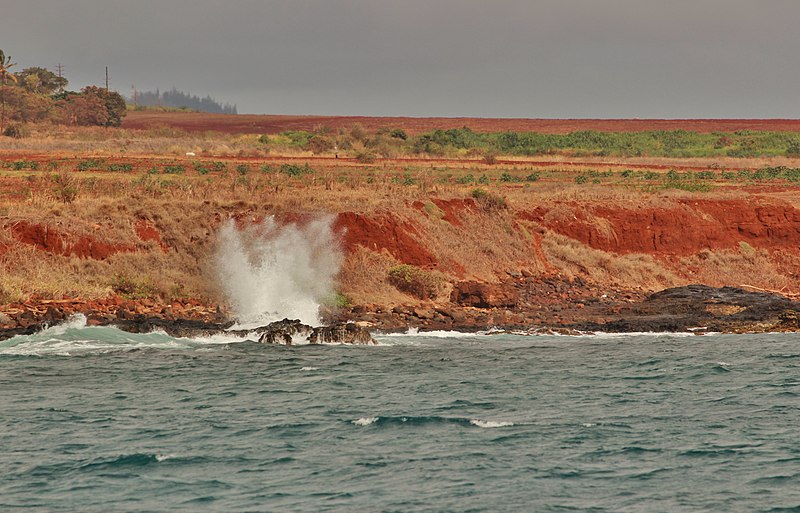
[364, 276]
[25, 271]
[573, 259]
[742, 266]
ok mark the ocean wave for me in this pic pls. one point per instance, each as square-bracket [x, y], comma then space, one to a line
[75, 338]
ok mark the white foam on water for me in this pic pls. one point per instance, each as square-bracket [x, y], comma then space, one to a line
[365, 421]
[75, 321]
[415, 332]
[269, 272]
[309, 369]
[490, 423]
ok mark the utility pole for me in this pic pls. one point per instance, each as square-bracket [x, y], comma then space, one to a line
[60, 70]
[106, 78]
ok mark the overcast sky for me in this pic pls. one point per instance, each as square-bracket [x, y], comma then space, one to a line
[487, 58]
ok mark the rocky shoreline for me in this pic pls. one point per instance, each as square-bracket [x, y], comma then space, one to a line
[517, 305]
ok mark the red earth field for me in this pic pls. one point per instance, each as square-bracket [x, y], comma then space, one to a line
[272, 124]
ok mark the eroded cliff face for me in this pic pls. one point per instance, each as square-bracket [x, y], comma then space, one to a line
[682, 227]
[542, 262]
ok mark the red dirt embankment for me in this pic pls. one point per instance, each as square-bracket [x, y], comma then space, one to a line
[684, 228]
[272, 124]
[51, 240]
[384, 232]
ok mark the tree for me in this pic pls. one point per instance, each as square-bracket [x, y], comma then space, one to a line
[114, 103]
[82, 109]
[41, 80]
[5, 63]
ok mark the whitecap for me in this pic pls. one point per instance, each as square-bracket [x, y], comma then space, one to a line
[490, 423]
[365, 421]
[309, 369]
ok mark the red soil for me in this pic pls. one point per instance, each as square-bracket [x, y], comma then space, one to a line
[271, 124]
[384, 232]
[454, 209]
[53, 241]
[684, 229]
[147, 232]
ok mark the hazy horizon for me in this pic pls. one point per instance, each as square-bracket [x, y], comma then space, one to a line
[441, 58]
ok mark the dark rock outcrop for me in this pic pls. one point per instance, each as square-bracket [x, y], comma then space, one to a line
[701, 308]
[484, 295]
[287, 331]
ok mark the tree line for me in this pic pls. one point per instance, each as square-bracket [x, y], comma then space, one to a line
[179, 100]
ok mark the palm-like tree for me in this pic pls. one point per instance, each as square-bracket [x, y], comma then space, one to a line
[5, 63]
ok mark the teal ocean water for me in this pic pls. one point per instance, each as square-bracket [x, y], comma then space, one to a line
[97, 420]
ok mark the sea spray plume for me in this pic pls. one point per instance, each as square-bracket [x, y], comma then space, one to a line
[270, 272]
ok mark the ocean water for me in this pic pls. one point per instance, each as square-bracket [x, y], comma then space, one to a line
[97, 420]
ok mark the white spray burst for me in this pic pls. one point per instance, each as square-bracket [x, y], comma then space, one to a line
[270, 272]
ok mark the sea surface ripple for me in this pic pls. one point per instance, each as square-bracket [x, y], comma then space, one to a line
[96, 420]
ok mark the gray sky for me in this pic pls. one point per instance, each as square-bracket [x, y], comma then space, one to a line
[488, 58]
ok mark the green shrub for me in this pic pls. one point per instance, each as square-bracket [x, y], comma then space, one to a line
[86, 165]
[201, 168]
[337, 300]
[415, 281]
[466, 179]
[793, 149]
[320, 144]
[132, 289]
[19, 165]
[122, 168]
[242, 169]
[489, 202]
[792, 174]
[581, 179]
[398, 133]
[294, 170]
[366, 157]
[16, 131]
[175, 169]
[533, 177]
[66, 187]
